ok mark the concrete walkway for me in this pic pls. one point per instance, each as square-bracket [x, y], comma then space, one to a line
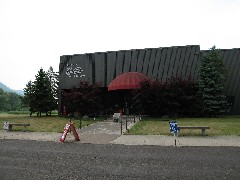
[109, 132]
[104, 132]
[180, 141]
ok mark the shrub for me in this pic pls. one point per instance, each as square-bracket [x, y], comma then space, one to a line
[83, 98]
[176, 96]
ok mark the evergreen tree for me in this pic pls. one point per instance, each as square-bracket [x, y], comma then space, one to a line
[28, 98]
[42, 92]
[211, 82]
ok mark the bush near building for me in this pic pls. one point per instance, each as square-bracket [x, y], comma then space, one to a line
[83, 99]
[176, 96]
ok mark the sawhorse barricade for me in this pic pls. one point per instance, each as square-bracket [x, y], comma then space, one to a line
[69, 127]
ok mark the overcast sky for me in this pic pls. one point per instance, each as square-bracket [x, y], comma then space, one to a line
[35, 33]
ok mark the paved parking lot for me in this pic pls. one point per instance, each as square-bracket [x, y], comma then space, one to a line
[21, 159]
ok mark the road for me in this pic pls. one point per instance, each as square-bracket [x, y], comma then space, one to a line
[21, 159]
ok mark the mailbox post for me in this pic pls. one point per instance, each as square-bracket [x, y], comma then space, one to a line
[174, 129]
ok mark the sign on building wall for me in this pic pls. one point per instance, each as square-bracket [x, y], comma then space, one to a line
[73, 70]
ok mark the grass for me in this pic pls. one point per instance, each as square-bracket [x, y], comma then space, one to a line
[52, 123]
[218, 126]
[148, 126]
[27, 112]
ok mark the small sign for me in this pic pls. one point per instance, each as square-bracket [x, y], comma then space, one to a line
[6, 126]
[173, 127]
[67, 128]
[174, 130]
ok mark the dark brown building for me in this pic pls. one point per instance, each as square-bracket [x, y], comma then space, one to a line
[157, 63]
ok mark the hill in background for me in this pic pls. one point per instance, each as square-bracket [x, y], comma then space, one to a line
[7, 89]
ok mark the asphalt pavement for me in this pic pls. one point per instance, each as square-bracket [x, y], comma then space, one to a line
[26, 159]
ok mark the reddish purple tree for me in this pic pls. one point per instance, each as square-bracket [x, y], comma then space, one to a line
[83, 98]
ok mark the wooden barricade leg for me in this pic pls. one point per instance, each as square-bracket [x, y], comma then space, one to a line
[64, 134]
[73, 129]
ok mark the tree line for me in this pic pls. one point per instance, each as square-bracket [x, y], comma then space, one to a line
[9, 101]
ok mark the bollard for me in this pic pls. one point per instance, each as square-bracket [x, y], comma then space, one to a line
[134, 119]
[121, 127]
[175, 139]
[126, 123]
[70, 120]
[80, 124]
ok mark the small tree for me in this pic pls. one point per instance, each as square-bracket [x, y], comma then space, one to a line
[211, 82]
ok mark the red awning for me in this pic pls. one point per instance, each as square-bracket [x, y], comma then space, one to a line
[130, 80]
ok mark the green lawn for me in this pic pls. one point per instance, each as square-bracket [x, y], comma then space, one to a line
[43, 124]
[148, 126]
[218, 126]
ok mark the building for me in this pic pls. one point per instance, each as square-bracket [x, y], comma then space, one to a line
[158, 63]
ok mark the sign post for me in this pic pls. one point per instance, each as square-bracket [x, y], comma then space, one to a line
[69, 127]
[174, 129]
[6, 126]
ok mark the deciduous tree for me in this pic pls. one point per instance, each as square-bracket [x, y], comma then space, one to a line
[54, 82]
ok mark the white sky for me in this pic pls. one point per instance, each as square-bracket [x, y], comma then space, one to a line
[35, 33]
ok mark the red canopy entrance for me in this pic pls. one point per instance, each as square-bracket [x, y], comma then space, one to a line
[130, 80]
